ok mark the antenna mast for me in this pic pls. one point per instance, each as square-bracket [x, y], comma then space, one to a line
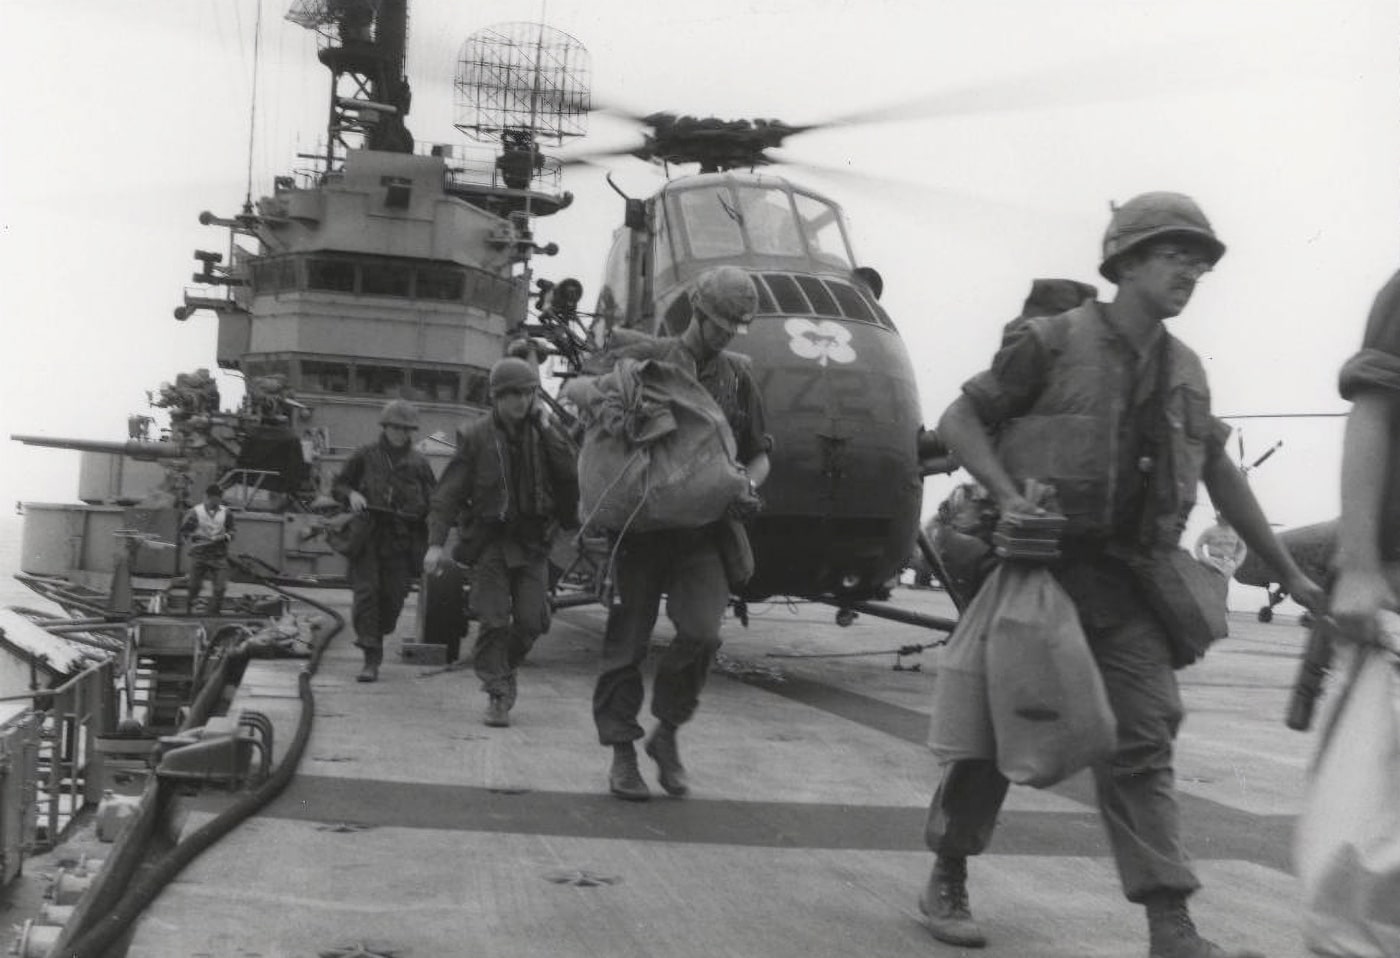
[364, 44]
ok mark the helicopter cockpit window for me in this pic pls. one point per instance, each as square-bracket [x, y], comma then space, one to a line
[712, 223]
[767, 218]
[822, 224]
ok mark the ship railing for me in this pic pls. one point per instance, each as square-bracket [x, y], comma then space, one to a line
[59, 764]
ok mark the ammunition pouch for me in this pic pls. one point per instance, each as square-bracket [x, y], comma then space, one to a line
[1187, 595]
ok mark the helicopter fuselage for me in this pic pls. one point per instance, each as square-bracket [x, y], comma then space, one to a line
[842, 503]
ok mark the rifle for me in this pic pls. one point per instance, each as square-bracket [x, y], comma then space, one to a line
[1312, 672]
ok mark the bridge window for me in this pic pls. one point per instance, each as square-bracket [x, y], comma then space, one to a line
[379, 380]
[476, 386]
[325, 377]
[384, 279]
[337, 275]
[438, 283]
[434, 385]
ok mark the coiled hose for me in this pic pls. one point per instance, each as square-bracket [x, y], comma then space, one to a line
[94, 941]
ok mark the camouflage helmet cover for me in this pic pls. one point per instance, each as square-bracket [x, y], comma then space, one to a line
[512, 372]
[727, 296]
[1153, 216]
[399, 412]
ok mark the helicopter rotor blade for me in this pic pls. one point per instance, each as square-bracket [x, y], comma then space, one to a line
[1085, 82]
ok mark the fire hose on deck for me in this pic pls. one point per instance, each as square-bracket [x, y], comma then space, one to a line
[101, 934]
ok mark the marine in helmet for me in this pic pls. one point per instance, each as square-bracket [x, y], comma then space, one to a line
[512, 483]
[1113, 411]
[687, 565]
[389, 482]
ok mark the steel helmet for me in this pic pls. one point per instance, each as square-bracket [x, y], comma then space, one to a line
[399, 412]
[726, 295]
[514, 373]
[1154, 216]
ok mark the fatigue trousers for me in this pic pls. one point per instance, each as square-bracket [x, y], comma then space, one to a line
[1135, 786]
[214, 569]
[380, 578]
[685, 565]
[509, 598]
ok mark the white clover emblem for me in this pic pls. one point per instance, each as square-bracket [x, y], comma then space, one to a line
[824, 341]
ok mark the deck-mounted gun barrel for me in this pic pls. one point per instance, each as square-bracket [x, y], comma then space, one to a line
[131, 448]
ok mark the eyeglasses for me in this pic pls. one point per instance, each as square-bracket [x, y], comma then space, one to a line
[1186, 259]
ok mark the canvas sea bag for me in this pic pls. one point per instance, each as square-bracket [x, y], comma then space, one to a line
[657, 451]
[1346, 848]
[1049, 709]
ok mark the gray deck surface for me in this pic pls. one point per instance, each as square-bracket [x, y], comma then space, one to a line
[412, 829]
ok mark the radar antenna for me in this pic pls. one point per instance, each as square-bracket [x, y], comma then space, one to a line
[363, 43]
[518, 84]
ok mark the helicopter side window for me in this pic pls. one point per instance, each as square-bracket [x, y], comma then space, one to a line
[712, 223]
[787, 293]
[767, 218]
[765, 298]
[823, 304]
[853, 305]
[822, 223]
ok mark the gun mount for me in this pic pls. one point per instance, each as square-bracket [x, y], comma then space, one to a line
[132, 448]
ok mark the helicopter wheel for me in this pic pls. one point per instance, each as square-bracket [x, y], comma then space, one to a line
[1266, 614]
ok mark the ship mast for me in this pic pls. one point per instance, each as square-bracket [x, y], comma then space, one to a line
[364, 44]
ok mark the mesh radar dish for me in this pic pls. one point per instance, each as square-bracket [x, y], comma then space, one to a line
[519, 80]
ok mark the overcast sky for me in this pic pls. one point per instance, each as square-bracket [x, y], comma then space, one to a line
[125, 118]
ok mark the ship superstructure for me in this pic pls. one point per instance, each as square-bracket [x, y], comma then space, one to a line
[382, 269]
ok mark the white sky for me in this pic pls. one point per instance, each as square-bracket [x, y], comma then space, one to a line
[124, 119]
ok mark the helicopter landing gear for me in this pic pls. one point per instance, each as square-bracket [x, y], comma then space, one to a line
[844, 617]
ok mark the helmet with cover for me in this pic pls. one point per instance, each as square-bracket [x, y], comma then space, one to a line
[1156, 216]
[727, 296]
[399, 412]
[512, 372]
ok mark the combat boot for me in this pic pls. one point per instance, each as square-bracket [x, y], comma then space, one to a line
[1173, 934]
[661, 746]
[370, 672]
[498, 712]
[945, 906]
[625, 778]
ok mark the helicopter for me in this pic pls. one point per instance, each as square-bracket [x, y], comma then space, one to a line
[842, 503]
